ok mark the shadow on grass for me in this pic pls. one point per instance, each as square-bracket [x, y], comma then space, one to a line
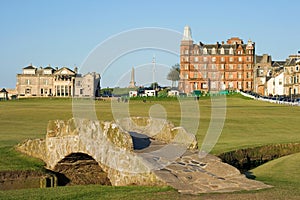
[250, 175]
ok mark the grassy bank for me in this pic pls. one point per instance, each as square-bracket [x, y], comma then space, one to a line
[248, 123]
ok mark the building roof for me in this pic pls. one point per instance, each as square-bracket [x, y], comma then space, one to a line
[65, 70]
[265, 58]
[29, 67]
[278, 63]
[3, 90]
[49, 68]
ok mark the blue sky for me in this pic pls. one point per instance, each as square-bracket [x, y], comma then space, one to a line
[63, 33]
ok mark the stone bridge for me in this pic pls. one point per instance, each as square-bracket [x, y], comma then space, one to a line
[133, 151]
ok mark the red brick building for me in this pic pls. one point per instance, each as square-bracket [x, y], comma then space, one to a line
[215, 67]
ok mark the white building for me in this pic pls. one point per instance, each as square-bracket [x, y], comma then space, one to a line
[275, 85]
[150, 93]
[133, 93]
[173, 93]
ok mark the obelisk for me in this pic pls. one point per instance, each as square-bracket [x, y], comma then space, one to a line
[132, 82]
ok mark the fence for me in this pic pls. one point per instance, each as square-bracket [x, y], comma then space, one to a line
[289, 103]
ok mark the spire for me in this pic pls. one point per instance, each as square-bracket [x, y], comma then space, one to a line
[132, 82]
[187, 33]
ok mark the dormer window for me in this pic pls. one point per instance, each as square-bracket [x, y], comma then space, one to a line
[222, 51]
[231, 50]
[213, 51]
[204, 50]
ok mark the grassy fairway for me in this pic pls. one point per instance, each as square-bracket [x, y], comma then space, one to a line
[248, 123]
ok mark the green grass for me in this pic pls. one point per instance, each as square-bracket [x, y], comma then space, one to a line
[248, 123]
[282, 171]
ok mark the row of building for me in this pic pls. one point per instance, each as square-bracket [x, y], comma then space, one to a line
[233, 65]
[58, 82]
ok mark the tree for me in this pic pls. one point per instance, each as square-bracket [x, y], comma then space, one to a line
[154, 85]
[173, 75]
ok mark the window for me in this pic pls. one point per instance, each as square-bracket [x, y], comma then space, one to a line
[297, 68]
[222, 76]
[186, 52]
[230, 75]
[222, 59]
[260, 72]
[249, 58]
[204, 66]
[196, 66]
[222, 50]
[78, 83]
[187, 59]
[231, 50]
[204, 59]
[213, 59]
[213, 66]
[204, 51]
[240, 59]
[249, 66]
[213, 75]
[239, 75]
[240, 66]
[213, 85]
[230, 85]
[213, 51]
[240, 85]
[280, 81]
[249, 84]
[185, 76]
[27, 81]
[196, 59]
[195, 75]
[186, 67]
[195, 86]
[230, 66]
[248, 74]
[222, 66]
[204, 75]
[231, 59]
[295, 79]
[239, 52]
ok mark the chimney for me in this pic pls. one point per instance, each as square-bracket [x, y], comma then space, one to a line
[76, 70]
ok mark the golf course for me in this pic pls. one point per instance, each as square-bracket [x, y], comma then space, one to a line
[248, 123]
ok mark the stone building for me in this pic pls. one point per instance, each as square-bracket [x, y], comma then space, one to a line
[266, 72]
[36, 81]
[292, 76]
[87, 85]
[44, 82]
[215, 67]
[262, 73]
